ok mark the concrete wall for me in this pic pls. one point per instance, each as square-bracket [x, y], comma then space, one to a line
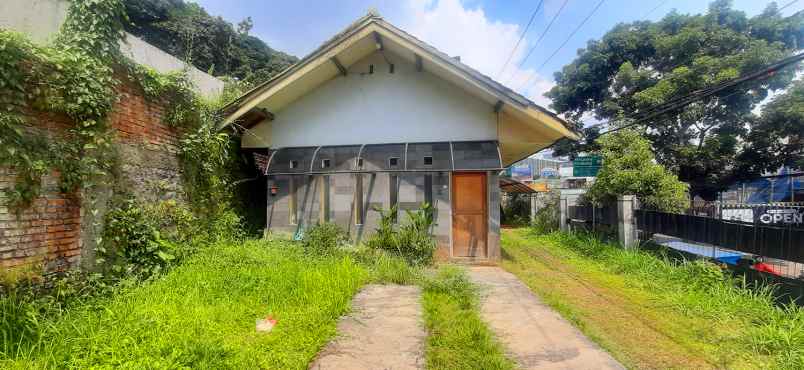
[310, 190]
[40, 20]
[379, 107]
[149, 55]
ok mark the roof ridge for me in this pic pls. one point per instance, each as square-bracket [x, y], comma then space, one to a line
[373, 16]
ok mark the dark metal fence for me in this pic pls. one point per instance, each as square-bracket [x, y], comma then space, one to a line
[597, 219]
[738, 211]
[775, 240]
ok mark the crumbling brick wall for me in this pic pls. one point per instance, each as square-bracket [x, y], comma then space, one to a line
[55, 229]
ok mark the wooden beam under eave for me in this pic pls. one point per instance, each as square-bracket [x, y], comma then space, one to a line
[378, 41]
[340, 66]
[419, 63]
[498, 106]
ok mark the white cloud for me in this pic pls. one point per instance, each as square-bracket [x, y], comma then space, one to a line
[483, 44]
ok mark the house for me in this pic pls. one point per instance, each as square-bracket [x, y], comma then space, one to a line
[375, 118]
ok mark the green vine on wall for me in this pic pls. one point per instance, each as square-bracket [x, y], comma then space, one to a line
[74, 77]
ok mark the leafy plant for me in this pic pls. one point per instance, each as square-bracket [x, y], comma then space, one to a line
[629, 168]
[516, 210]
[412, 240]
[133, 244]
[324, 239]
[546, 219]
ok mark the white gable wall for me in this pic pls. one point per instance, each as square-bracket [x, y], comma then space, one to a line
[363, 108]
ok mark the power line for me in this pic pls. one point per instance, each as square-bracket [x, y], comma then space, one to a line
[655, 8]
[788, 4]
[690, 98]
[573, 33]
[522, 36]
[532, 48]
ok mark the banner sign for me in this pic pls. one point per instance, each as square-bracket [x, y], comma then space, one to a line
[521, 172]
[788, 216]
[768, 215]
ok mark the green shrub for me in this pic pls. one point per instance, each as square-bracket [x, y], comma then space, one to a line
[516, 211]
[412, 241]
[132, 244]
[546, 219]
[324, 239]
[630, 168]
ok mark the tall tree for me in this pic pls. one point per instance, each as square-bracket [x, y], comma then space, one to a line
[636, 66]
[777, 136]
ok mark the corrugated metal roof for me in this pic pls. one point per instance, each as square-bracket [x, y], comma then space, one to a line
[509, 185]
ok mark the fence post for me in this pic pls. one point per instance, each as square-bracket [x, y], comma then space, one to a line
[533, 207]
[563, 213]
[625, 220]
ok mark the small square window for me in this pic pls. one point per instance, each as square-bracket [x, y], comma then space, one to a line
[393, 162]
[294, 164]
[325, 163]
[428, 161]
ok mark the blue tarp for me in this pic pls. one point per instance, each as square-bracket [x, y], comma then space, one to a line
[725, 256]
[773, 189]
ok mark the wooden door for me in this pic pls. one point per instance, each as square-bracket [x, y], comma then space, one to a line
[469, 214]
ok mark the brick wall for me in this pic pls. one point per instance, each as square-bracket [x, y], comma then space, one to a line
[48, 228]
[54, 229]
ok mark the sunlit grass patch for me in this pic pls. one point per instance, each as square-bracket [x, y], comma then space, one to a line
[202, 314]
[653, 312]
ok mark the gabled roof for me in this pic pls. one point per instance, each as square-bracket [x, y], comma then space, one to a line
[370, 33]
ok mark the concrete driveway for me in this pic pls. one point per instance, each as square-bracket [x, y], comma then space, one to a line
[535, 336]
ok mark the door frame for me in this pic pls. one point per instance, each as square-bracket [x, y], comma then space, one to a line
[452, 188]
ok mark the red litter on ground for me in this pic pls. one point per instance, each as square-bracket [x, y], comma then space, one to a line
[266, 324]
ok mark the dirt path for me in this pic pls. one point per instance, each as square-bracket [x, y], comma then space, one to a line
[384, 331]
[536, 336]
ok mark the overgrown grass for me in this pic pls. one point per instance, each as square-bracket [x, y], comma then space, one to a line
[457, 337]
[653, 312]
[202, 314]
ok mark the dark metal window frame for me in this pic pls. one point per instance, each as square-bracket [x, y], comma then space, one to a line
[357, 166]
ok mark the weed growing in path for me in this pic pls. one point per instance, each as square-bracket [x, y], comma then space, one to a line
[457, 336]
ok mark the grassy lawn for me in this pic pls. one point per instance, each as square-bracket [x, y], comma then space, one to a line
[202, 314]
[458, 338]
[651, 313]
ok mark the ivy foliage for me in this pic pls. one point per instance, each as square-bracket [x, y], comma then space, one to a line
[73, 77]
[76, 77]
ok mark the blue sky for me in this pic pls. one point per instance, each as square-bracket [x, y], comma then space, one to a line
[482, 32]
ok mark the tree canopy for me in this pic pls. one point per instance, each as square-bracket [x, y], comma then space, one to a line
[212, 44]
[636, 66]
[629, 168]
[777, 136]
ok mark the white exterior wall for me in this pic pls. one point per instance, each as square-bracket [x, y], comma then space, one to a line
[40, 20]
[363, 108]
